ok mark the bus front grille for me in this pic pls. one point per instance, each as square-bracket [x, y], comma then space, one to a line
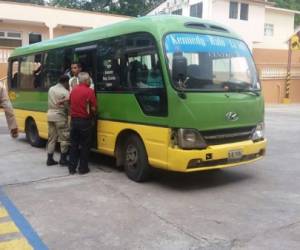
[223, 136]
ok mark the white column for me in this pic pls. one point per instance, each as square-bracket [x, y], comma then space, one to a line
[51, 36]
[51, 27]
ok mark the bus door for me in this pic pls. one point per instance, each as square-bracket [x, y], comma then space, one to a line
[87, 57]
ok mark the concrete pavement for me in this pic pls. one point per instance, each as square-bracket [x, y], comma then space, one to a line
[254, 206]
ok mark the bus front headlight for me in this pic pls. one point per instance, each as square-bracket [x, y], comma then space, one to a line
[259, 132]
[190, 139]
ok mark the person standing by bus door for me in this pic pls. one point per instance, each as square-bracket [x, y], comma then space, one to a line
[9, 112]
[58, 128]
[76, 68]
[82, 108]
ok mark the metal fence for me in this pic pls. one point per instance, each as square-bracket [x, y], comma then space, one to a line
[277, 71]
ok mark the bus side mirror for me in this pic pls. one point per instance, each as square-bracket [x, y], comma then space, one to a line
[179, 67]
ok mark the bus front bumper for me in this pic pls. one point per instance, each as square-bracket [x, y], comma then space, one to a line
[215, 157]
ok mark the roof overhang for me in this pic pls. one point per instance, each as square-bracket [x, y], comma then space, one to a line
[295, 12]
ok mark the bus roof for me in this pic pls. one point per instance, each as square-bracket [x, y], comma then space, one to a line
[157, 25]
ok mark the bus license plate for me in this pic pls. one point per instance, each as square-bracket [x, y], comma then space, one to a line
[235, 155]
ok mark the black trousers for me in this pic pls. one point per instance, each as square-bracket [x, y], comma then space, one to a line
[80, 135]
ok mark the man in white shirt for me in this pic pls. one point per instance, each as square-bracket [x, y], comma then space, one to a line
[76, 68]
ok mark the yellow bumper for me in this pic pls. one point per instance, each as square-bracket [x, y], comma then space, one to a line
[214, 157]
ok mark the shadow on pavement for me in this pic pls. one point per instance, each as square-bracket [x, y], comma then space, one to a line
[173, 180]
[181, 181]
[199, 180]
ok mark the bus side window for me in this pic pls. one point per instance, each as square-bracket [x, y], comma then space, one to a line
[30, 72]
[87, 57]
[14, 73]
[53, 67]
[144, 74]
[110, 66]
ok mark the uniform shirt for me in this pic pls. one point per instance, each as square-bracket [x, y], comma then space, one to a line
[82, 98]
[73, 82]
[57, 112]
[8, 109]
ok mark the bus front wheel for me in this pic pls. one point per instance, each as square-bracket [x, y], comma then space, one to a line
[32, 134]
[136, 160]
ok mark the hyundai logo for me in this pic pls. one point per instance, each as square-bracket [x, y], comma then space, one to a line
[232, 116]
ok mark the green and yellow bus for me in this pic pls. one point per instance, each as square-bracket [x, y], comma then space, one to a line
[175, 93]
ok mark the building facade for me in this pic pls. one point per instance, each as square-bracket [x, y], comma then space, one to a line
[24, 24]
[259, 23]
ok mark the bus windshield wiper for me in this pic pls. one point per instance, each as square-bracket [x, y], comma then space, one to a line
[240, 87]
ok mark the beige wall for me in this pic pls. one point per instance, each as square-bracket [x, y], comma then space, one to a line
[274, 90]
[52, 17]
[3, 70]
[274, 87]
[25, 29]
[274, 56]
[283, 29]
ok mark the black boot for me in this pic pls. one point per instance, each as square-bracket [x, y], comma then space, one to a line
[63, 160]
[51, 161]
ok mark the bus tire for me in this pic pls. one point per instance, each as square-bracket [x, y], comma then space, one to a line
[135, 159]
[32, 134]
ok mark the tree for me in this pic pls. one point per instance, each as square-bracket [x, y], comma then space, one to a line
[290, 4]
[128, 7]
[74, 4]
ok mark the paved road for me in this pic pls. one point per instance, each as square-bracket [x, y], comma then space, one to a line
[256, 206]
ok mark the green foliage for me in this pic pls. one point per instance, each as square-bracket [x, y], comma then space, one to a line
[290, 4]
[128, 7]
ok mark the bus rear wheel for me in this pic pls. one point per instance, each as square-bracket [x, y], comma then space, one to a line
[136, 160]
[32, 134]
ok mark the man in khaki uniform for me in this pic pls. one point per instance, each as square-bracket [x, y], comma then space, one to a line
[58, 128]
[8, 110]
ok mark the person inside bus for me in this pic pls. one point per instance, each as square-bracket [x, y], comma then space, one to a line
[154, 79]
[37, 81]
[76, 68]
[37, 72]
[138, 74]
[8, 110]
[58, 128]
[14, 80]
[83, 109]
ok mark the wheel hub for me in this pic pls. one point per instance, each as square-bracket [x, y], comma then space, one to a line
[131, 155]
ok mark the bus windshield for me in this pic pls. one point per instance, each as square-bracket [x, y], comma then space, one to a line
[200, 62]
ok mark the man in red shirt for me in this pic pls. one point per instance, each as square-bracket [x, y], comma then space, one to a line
[82, 108]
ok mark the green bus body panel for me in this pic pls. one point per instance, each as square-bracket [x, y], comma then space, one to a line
[125, 107]
[207, 111]
[28, 100]
[203, 111]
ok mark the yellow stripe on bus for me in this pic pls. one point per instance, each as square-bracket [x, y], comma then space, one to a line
[18, 244]
[40, 119]
[3, 213]
[8, 227]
